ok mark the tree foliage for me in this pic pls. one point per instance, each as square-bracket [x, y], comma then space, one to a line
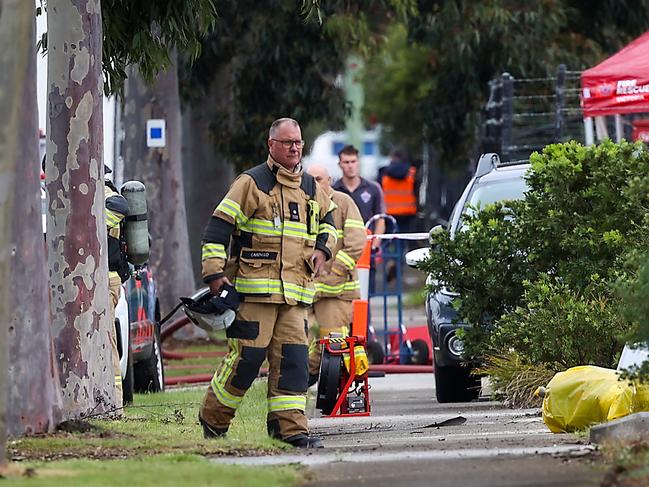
[402, 69]
[548, 264]
[145, 33]
[268, 63]
[468, 43]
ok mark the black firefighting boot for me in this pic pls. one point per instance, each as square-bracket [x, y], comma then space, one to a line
[304, 441]
[301, 440]
[211, 432]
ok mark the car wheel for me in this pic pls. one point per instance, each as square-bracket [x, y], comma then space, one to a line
[375, 354]
[149, 373]
[127, 382]
[456, 384]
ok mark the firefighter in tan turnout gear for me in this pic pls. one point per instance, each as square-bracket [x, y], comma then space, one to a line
[274, 229]
[116, 209]
[337, 285]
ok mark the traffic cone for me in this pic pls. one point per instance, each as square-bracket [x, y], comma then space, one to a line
[363, 268]
[359, 318]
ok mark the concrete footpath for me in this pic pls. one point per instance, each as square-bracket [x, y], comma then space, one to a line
[410, 439]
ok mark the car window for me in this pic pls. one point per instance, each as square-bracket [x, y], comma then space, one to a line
[484, 194]
[488, 192]
[457, 209]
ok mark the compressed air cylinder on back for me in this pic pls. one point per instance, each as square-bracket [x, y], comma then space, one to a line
[136, 226]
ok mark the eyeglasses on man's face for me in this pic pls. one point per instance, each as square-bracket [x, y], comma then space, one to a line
[288, 143]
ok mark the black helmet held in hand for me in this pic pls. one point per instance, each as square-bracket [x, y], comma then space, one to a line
[211, 312]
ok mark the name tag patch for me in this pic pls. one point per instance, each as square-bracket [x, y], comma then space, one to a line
[258, 254]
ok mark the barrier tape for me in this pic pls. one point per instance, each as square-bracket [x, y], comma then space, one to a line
[399, 236]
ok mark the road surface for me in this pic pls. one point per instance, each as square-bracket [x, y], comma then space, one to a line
[403, 444]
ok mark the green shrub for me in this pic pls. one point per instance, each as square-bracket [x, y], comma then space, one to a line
[585, 210]
[482, 263]
[633, 288]
[559, 326]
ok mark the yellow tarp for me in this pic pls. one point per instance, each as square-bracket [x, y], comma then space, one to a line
[582, 396]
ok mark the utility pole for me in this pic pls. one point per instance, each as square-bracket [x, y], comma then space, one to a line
[355, 96]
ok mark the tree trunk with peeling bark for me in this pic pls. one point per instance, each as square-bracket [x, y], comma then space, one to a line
[160, 169]
[76, 229]
[33, 396]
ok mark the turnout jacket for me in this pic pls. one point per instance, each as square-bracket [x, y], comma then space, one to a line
[266, 229]
[339, 278]
[116, 209]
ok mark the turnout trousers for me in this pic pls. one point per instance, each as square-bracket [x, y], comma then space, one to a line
[331, 315]
[115, 289]
[263, 330]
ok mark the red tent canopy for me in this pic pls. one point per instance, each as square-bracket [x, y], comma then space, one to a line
[620, 84]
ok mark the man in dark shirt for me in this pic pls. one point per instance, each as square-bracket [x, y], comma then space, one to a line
[367, 195]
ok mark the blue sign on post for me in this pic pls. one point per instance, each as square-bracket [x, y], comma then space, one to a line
[156, 133]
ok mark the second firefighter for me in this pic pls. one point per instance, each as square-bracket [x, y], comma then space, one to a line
[337, 285]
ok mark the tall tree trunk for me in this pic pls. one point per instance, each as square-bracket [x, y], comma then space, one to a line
[34, 397]
[203, 166]
[76, 228]
[14, 68]
[160, 169]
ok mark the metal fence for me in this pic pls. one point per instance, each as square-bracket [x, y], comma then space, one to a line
[524, 115]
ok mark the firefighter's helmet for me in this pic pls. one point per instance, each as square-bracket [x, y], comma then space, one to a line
[211, 312]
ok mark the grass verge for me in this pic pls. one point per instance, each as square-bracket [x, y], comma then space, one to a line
[163, 423]
[158, 471]
[629, 465]
[157, 443]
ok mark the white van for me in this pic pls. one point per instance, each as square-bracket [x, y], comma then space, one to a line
[327, 145]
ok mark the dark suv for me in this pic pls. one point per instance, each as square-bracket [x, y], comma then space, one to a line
[492, 182]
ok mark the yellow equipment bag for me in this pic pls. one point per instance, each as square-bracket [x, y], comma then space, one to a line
[360, 359]
[582, 396]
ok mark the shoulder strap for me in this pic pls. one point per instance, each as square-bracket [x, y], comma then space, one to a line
[263, 177]
[308, 185]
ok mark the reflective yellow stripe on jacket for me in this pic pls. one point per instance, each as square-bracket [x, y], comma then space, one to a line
[287, 228]
[113, 218]
[352, 223]
[324, 227]
[344, 257]
[213, 250]
[349, 223]
[232, 209]
[337, 289]
[274, 286]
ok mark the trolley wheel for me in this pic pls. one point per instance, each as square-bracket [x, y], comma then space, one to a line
[375, 354]
[328, 382]
[420, 352]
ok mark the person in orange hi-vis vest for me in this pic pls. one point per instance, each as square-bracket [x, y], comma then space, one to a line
[337, 285]
[398, 181]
